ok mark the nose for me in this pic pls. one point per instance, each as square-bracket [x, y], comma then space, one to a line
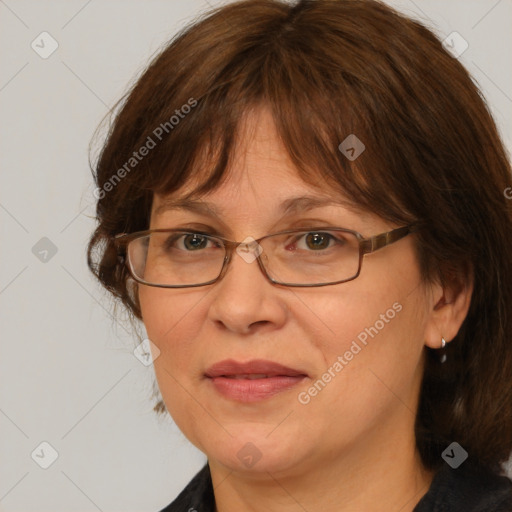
[244, 301]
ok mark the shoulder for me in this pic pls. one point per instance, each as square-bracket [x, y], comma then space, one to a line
[197, 495]
[469, 488]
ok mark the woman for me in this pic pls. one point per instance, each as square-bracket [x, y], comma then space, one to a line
[352, 350]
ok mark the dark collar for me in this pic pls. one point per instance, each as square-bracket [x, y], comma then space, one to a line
[469, 488]
[197, 495]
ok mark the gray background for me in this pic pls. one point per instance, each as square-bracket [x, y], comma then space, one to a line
[67, 372]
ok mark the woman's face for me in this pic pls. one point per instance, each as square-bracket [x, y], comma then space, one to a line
[361, 339]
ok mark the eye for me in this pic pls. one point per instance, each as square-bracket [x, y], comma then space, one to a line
[189, 242]
[316, 241]
[194, 242]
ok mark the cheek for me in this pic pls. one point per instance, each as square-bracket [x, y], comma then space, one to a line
[349, 314]
[173, 319]
[370, 334]
[372, 370]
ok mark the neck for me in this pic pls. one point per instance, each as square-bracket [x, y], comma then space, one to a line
[385, 474]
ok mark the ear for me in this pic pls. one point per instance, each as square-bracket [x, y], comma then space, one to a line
[449, 302]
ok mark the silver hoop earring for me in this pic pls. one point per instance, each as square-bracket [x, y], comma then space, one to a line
[443, 345]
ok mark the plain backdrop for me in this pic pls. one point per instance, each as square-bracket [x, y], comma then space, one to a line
[68, 376]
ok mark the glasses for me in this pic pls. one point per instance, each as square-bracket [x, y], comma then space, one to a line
[173, 258]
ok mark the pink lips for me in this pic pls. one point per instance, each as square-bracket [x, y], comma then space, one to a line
[252, 381]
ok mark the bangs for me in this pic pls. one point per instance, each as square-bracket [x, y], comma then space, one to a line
[324, 82]
[315, 106]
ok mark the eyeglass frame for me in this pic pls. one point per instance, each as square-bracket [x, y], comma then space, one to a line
[366, 246]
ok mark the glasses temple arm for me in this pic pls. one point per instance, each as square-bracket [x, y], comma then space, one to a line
[379, 241]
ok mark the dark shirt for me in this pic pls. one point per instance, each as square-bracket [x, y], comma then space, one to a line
[469, 488]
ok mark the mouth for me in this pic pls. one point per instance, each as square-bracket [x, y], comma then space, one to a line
[252, 381]
[255, 369]
[250, 376]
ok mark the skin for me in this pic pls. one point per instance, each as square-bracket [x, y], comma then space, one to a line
[352, 447]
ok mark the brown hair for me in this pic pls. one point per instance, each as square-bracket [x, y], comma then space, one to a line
[327, 69]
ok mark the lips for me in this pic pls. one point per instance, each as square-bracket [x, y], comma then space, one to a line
[250, 376]
[252, 381]
[257, 368]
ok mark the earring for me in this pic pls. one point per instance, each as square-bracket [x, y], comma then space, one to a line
[443, 345]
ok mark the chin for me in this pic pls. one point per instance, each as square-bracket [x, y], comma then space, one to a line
[250, 451]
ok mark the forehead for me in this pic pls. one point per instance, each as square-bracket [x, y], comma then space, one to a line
[288, 205]
[260, 169]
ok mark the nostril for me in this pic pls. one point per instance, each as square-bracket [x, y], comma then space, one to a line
[259, 323]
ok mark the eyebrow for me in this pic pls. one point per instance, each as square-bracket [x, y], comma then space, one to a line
[192, 205]
[289, 206]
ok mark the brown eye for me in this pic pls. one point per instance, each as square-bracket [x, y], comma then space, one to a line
[317, 241]
[194, 241]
